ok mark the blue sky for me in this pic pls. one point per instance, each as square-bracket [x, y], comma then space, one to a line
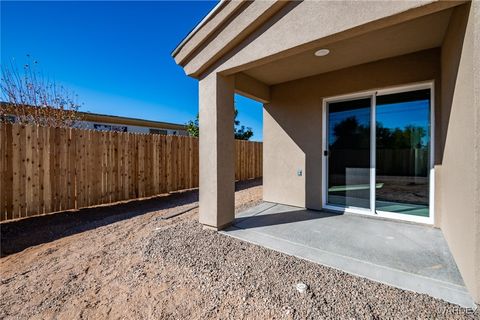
[115, 55]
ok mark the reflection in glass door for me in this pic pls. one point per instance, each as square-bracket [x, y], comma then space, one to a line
[348, 153]
[403, 152]
[378, 157]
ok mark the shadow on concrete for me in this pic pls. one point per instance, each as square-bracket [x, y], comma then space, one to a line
[278, 218]
[21, 234]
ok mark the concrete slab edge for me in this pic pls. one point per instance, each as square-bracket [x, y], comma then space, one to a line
[392, 277]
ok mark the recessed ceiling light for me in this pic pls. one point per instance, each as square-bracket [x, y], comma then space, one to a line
[322, 52]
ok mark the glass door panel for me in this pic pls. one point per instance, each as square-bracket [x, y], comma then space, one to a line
[403, 153]
[348, 154]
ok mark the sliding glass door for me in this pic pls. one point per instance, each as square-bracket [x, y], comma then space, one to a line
[349, 153]
[378, 153]
[403, 152]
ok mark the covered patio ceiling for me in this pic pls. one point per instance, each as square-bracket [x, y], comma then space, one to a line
[415, 35]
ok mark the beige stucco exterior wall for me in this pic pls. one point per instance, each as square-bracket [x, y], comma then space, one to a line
[300, 26]
[217, 149]
[293, 115]
[293, 122]
[293, 133]
[458, 167]
[307, 21]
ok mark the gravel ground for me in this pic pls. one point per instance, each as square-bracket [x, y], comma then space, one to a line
[125, 262]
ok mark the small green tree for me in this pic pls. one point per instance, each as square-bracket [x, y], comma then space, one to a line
[240, 132]
[192, 127]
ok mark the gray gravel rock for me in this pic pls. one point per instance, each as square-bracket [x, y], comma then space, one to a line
[124, 262]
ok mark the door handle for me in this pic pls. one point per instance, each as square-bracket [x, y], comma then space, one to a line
[325, 153]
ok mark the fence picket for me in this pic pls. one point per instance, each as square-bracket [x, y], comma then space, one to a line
[3, 173]
[46, 169]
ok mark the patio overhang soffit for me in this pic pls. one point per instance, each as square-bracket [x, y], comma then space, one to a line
[248, 38]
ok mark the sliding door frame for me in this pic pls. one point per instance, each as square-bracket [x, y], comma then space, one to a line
[372, 94]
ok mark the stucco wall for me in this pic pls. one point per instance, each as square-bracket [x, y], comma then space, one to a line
[293, 118]
[458, 165]
[306, 21]
[217, 149]
[293, 121]
[305, 25]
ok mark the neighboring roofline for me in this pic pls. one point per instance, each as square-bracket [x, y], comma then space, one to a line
[106, 118]
[88, 116]
[212, 12]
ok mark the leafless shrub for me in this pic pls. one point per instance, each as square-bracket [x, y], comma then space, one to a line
[29, 98]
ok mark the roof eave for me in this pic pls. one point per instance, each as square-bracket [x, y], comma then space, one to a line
[207, 18]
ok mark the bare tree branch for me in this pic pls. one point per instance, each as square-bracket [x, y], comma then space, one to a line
[29, 98]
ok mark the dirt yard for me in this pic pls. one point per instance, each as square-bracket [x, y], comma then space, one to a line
[125, 262]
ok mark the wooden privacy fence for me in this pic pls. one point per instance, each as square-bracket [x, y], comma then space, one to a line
[392, 162]
[47, 169]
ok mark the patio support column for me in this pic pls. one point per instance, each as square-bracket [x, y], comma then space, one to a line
[217, 148]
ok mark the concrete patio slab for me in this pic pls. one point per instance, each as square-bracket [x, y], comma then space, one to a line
[404, 255]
